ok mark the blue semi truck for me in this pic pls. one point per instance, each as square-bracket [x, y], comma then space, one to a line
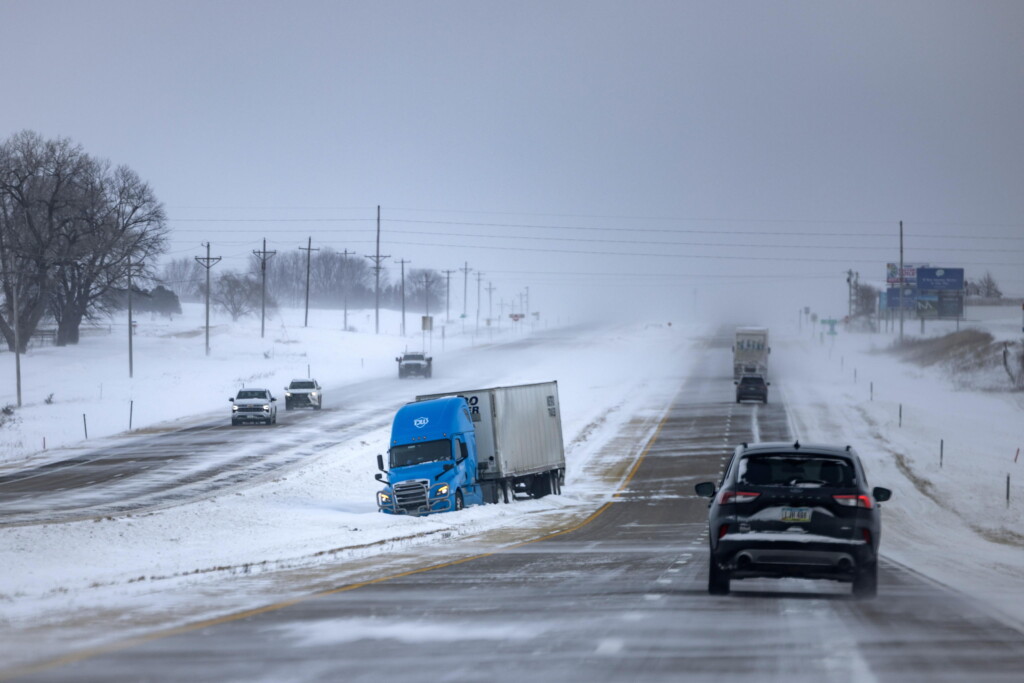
[472, 447]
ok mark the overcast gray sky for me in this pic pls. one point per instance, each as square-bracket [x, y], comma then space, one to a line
[694, 155]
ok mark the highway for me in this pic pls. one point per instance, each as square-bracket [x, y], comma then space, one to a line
[617, 596]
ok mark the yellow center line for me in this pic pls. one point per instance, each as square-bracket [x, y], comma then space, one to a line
[237, 616]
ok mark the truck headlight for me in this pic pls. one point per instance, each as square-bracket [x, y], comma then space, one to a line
[234, 409]
[313, 394]
[287, 393]
[441, 491]
[266, 407]
[383, 499]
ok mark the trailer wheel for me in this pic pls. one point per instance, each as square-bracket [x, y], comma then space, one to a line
[540, 485]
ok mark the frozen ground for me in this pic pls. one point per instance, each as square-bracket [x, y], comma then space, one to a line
[952, 523]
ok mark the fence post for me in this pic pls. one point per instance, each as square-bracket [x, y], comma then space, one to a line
[872, 391]
[85, 426]
[131, 413]
[942, 447]
[901, 415]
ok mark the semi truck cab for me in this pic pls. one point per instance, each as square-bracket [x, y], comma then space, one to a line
[432, 459]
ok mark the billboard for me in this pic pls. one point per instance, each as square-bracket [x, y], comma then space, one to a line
[892, 299]
[892, 273]
[940, 279]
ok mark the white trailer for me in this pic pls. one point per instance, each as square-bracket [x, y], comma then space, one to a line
[750, 352]
[518, 438]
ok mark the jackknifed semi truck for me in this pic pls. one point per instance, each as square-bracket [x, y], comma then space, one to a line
[461, 448]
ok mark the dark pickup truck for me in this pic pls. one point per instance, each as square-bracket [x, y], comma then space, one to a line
[414, 363]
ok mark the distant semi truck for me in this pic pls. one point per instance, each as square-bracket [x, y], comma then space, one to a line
[750, 352]
[471, 447]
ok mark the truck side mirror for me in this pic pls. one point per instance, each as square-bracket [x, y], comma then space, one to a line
[881, 494]
[379, 477]
[380, 462]
[272, 398]
[398, 360]
[231, 400]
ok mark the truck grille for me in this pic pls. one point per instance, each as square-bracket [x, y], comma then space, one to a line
[250, 409]
[411, 496]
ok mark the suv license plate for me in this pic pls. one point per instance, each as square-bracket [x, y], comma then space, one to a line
[802, 515]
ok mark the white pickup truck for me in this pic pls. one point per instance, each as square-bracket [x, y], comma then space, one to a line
[253, 405]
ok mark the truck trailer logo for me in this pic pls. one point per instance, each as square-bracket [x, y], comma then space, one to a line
[420, 422]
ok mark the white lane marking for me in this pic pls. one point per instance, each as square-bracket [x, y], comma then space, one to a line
[609, 646]
[755, 428]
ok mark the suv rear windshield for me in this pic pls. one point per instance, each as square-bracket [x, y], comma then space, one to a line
[796, 470]
[756, 381]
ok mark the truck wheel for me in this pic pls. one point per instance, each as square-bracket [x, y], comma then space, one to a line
[459, 504]
[541, 485]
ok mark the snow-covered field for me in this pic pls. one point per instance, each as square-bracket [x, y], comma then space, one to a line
[131, 573]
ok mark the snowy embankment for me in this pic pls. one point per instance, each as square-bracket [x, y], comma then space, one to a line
[174, 561]
[947, 460]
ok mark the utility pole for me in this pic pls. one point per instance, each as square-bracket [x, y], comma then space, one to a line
[402, 262]
[376, 267]
[479, 277]
[901, 282]
[344, 284]
[130, 368]
[208, 263]
[465, 281]
[490, 301]
[309, 252]
[263, 255]
[447, 293]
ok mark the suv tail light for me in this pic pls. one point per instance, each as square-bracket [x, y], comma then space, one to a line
[854, 501]
[726, 497]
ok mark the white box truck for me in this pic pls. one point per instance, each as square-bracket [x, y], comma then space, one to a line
[750, 352]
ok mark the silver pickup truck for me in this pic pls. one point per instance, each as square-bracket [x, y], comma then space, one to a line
[253, 405]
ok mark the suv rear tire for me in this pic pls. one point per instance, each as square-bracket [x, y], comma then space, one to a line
[718, 579]
[865, 583]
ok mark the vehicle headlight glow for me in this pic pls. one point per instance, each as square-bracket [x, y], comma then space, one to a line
[266, 407]
[313, 394]
[287, 393]
[234, 408]
[441, 491]
[383, 498]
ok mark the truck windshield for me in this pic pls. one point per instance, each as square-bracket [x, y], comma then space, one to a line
[417, 453]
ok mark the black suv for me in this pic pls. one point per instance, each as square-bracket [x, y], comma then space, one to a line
[752, 388]
[788, 509]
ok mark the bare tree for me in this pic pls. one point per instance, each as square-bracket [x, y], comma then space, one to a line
[119, 225]
[184, 276]
[237, 294]
[988, 288]
[39, 199]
